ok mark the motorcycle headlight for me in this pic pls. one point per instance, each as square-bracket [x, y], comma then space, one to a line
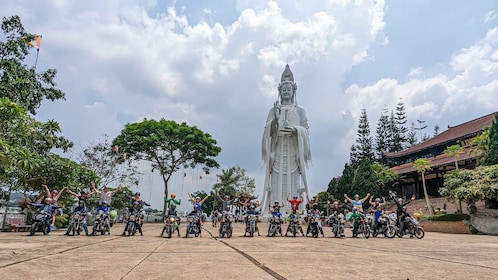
[132, 217]
[172, 219]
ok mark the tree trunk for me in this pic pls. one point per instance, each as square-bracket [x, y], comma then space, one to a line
[429, 207]
[165, 196]
[460, 210]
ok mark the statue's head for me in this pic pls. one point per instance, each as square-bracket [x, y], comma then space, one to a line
[287, 87]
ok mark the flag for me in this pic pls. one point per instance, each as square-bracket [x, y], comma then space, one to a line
[35, 41]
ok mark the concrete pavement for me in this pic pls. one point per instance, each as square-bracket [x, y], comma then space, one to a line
[436, 256]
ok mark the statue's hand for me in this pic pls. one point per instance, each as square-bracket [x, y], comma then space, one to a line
[276, 110]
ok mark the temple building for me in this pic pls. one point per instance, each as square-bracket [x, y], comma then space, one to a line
[433, 149]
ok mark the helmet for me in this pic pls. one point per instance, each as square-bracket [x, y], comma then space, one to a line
[136, 203]
[173, 195]
[356, 196]
[48, 199]
[226, 196]
[197, 198]
[276, 202]
[172, 206]
[104, 202]
[252, 207]
[137, 193]
[315, 205]
[400, 199]
[55, 191]
[377, 199]
[294, 207]
[294, 196]
[355, 209]
[404, 208]
[313, 198]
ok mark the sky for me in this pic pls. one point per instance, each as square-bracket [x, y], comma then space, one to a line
[217, 64]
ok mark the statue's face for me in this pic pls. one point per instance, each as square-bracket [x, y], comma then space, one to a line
[287, 93]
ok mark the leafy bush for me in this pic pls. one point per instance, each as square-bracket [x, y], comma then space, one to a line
[62, 221]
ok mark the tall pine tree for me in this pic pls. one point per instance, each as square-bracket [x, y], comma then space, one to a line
[364, 145]
[412, 140]
[382, 134]
[401, 129]
[392, 132]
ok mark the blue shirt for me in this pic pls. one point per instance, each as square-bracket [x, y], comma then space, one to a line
[105, 209]
[378, 214]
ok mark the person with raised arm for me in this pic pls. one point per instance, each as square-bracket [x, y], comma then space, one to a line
[357, 202]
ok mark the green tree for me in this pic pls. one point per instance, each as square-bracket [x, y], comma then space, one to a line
[234, 181]
[18, 82]
[168, 146]
[364, 146]
[454, 151]
[401, 130]
[480, 145]
[411, 139]
[422, 165]
[386, 178]
[345, 183]
[480, 184]
[491, 153]
[382, 134]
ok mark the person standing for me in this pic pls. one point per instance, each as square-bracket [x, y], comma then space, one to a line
[105, 194]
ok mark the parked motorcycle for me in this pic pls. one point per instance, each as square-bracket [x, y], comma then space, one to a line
[385, 228]
[78, 222]
[364, 226]
[294, 225]
[101, 225]
[412, 228]
[251, 224]
[132, 222]
[171, 223]
[336, 223]
[39, 223]
[192, 226]
[314, 219]
[275, 226]
[227, 228]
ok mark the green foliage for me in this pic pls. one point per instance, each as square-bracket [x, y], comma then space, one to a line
[233, 181]
[491, 151]
[364, 146]
[447, 217]
[345, 183]
[382, 134]
[386, 178]
[18, 82]
[61, 221]
[422, 165]
[119, 200]
[471, 185]
[168, 146]
[454, 151]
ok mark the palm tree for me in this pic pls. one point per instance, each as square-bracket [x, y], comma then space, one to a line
[480, 145]
[422, 165]
[455, 151]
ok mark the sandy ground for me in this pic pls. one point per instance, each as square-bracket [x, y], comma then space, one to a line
[436, 256]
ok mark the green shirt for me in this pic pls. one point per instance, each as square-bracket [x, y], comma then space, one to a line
[172, 200]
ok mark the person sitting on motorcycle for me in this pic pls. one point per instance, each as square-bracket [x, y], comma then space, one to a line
[48, 207]
[402, 218]
[226, 214]
[197, 212]
[294, 215]
[136, 208]
[226, 201]
[400, 204]
[252, 211]
[81, 208]
[104, 207]
[378, 214]
[355, 216]
[171, 212]
[275, 209]
[315, 212]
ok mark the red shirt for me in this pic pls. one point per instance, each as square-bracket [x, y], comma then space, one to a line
[295, 202]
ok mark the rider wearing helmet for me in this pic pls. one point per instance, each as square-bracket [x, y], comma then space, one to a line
[252, 211]
[377, 202]
[104, 207]
[136, 208]
[48, 207]
[355, 216]
[403, 220]
[316, 213]
[81, 208]
[294, 215]
[172, 213]
[400, 204]
[275, 209]
[172, 200]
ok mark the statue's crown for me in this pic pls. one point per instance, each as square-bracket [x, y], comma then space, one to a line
[287, 75]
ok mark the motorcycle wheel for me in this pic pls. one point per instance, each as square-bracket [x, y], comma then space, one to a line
[419, 233]
[229, 233]
[33, 228]
[130, 229]
[169, 232]
[365, 232]
[94, 231]
[390, 232]
[294, 231]
[315, 234]
[74, 230]
[188, 231]
[334, 230]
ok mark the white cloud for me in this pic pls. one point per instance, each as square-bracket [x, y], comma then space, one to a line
[490, 16]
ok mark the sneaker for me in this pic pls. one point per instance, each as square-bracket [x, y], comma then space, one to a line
[49, 233]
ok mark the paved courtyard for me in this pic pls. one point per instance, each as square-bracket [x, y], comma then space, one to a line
[436, 256]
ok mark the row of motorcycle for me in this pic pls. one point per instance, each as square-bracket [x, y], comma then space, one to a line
[101, 225]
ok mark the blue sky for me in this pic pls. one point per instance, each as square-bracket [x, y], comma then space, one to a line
[217, 64]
